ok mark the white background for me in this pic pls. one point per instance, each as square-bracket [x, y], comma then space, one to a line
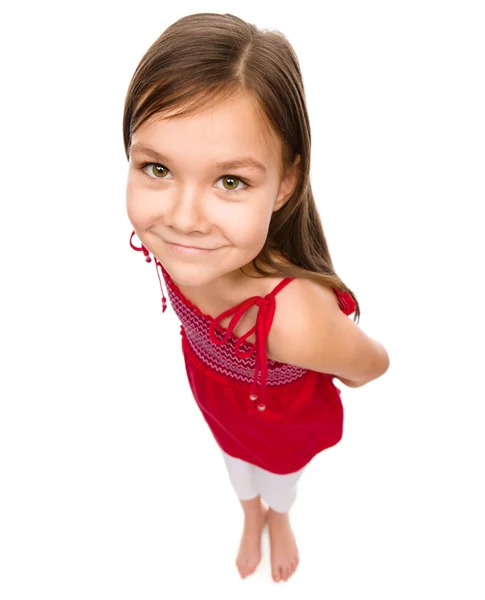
[111, 483]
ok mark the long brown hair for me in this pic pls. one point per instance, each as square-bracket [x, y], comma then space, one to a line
[206, 58]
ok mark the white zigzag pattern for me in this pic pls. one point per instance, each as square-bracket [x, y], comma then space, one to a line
[223, 359]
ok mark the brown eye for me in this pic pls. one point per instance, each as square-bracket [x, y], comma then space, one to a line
[158, 170]
[232, 182]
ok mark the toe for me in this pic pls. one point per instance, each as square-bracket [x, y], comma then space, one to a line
[252, 564]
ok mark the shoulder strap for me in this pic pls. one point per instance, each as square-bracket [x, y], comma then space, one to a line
[280, 286]
[346, 302]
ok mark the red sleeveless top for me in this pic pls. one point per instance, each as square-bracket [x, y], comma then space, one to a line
[271, 414]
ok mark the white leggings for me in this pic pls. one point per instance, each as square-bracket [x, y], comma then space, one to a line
[249, 481]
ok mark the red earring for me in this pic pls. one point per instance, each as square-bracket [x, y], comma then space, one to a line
[143, 249]
[157, 264]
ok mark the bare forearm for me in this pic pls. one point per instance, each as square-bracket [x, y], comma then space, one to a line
[377, 369]
[349, 383]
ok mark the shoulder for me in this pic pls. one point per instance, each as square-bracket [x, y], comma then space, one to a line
[302, 307]
[305, 295]
[310, 330]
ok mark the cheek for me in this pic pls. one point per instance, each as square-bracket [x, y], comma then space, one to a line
[251, 230]
[138, 206]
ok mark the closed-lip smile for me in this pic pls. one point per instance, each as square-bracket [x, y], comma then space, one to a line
[189, 250]
[193, 247]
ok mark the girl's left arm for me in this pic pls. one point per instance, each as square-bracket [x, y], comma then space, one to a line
[313, 332]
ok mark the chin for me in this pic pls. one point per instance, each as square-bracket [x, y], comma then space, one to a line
[189, 275]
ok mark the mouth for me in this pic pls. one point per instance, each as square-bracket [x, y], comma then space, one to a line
[188, 250]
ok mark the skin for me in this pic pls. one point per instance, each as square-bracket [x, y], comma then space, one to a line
[185, 199]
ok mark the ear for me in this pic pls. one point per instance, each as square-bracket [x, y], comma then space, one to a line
[288, 184]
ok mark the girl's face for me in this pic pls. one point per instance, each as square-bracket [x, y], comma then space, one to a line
[179, 191]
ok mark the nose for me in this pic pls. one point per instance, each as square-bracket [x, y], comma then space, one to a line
[186, 211]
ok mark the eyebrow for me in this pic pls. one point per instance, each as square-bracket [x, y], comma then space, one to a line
[247, 162]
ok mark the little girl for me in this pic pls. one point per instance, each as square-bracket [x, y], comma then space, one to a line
[217, 136]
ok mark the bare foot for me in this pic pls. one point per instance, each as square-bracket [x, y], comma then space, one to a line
[249, 554]
[284, 551]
